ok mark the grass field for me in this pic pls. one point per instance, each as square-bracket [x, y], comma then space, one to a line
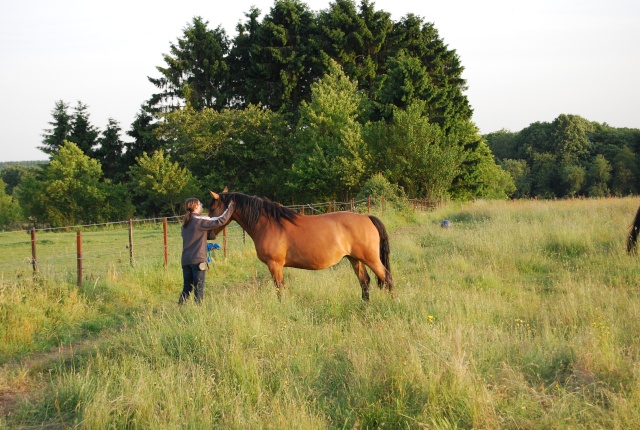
[523, 315]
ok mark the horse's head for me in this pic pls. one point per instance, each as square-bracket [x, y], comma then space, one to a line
[217, 206]
[248, 210]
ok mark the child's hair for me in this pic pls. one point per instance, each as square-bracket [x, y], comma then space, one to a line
[190, 204]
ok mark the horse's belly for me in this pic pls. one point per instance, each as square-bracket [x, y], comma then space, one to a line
[312, 260]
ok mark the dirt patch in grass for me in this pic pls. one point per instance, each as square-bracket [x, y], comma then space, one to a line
[23, 379]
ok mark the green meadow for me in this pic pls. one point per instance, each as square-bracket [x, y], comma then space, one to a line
[522, 315]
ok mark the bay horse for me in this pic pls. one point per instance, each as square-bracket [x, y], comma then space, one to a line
[284, 238]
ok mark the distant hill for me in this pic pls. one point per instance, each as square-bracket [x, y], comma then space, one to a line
[4, 164]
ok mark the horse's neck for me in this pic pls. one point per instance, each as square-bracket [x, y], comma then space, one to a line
[240, 219]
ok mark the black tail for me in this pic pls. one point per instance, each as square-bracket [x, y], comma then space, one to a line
[632, 239]
[384, 253]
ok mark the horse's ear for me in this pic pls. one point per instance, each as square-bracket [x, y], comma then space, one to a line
[214, 195]
[226, 190]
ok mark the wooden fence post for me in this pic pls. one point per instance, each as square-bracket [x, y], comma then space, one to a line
[131, 241]
[79, 253]
[382, 206]
[369, 204]
[224, 241]
[166, 246]
[34, 258]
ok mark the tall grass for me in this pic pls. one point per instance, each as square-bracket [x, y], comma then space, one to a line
[522, 315]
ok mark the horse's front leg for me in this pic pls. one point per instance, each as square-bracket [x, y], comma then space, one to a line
[278, 277]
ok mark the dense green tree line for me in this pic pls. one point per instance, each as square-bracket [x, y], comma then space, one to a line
[570, 157]
[297, 105]
[309, 106]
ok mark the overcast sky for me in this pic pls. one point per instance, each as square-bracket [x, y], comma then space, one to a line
[524, 61]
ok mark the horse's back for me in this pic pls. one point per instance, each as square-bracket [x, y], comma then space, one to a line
[335, 222]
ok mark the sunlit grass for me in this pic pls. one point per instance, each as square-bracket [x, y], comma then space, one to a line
[522, 315]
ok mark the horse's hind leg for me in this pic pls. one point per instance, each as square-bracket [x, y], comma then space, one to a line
[363, 276]
[378, 269]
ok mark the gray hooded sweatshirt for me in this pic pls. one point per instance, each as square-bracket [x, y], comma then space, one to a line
[194, 236]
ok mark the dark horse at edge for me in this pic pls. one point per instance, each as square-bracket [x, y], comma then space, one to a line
[284, 238]
[632, 238]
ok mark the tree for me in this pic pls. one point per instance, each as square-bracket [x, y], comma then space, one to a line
[521, 174]
[573, 178]
[608, 141]
[571, 138]
[412, 38]
[71, 187]
[625, 172]
[161, 183]
[534, 139]
[287, 56]
[406, 81]
[116, 204]
[248, 149]
[254, 156]
[377, 187]
[83, 133]
[69, 191]
[273, 65]
[355, 39]
[196, 69]
[244, 81]
[480, 176]
[31, 196]
[9, 208]
[143, 131]
[570, 156]
[13, 175]
[376, 32]
[110, 151]
[414, 153]
[503, 144]
[598, 176]
[545, 174]
[331, 161]
[60, 130]
[74, 128]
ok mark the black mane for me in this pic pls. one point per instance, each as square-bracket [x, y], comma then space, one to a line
[253, 207]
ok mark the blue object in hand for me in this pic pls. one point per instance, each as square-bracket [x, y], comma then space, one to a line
[210, 247]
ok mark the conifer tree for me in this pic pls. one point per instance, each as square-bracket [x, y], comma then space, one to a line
[110, 151]
[287, 56]
[83, 133]
[55, 136]
[143, 131]
[196, 69]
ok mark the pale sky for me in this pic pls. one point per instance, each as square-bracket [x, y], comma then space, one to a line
[524, 61]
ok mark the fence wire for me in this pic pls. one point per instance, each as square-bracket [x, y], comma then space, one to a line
[105, 245]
